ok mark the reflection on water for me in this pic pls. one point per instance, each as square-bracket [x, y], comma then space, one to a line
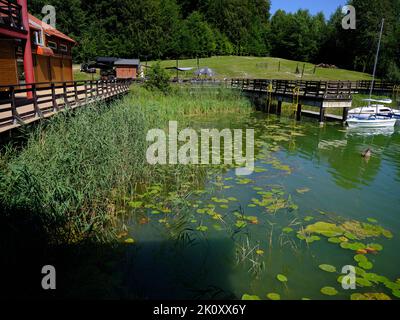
[367, 132]
[247, 231]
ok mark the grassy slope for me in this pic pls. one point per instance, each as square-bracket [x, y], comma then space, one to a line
[254, 67]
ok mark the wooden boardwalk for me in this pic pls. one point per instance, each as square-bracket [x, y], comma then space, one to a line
[321, 94]
[24, 104]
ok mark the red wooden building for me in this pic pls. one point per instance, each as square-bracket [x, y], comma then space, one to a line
[31, 50]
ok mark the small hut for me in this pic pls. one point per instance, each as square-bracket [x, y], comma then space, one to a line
[127, 68]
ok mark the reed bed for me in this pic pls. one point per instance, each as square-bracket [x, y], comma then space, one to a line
[74, 168]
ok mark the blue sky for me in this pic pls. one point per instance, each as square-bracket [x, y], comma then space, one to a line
[314, 6]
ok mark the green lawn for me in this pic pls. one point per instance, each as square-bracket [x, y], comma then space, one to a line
[251, 67]
[255, 67]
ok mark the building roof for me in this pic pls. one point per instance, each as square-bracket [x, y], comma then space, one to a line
[36, 23]
[127, 62]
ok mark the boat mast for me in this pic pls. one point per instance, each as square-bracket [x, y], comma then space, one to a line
[376, 62]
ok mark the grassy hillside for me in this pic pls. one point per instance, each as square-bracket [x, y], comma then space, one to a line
[253, 67]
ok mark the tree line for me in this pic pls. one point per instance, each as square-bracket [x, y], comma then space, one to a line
[170, 29]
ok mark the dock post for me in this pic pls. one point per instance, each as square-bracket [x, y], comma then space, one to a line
[279, 110]
[321, 116]
[345, 114]
[298, 113]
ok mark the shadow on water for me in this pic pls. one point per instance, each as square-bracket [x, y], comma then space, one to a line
[145, 270]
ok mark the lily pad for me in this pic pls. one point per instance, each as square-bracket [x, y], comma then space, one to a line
[329, 291]
[135, 204]
[241, 224]
[334, 240]
[360, 258]
[248, 297]
[366, 265]
[303, 190]
[202, 228]
[287, 230]
[282, 278]
[129, 241]
[273, 296]
[327, 268]
[396, 293]
[375, 246]
[325, 229]
[369, 296]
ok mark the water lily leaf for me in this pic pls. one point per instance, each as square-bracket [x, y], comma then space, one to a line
[303, 190]
[248, 297]
[129, 241]
[241, 224]
[396, 293]
[305, 299]
[363, 282]
[372, 220]
[326, 229]
[308, 218]
[282, 278]
[273, 296]
[334, 240]
[135, 204]
[373, 277]
[327, 268]
[232, 199]
[350, 236]
[202, 228]
[358, 296]
[287, 230]
[329, 291]
[366, 265]
[360, 258]
[224, 206]
[375, 246]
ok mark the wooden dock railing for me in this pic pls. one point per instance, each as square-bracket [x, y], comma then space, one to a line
[316, 89]
[21, 104]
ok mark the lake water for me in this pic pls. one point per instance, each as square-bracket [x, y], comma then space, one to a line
[239, 233]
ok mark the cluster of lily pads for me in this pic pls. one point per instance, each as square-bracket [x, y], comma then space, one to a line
[354, 235]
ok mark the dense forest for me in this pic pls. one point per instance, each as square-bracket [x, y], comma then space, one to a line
[160, 29]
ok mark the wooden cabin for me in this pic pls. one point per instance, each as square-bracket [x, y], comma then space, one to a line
[14, 36]
[127, 68]
[31, 50]
[52, 52]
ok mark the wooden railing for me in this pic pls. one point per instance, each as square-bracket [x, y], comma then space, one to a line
[10, 14]
[316, 89]
[20, 104]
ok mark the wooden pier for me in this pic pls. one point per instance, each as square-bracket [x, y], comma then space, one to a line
[324, 95]
[27, 103]
[321, 94]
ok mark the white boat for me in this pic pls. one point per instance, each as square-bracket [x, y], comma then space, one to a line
[372, 109]
[375, 119]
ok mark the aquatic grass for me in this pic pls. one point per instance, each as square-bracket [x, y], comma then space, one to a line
[78, 169]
